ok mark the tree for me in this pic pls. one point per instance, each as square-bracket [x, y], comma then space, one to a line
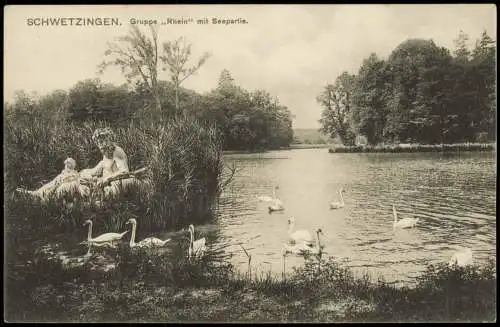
[226, 81]
[484, 79]
[137, 57]
[175, 57]
[336, 101]
[462, 52]
[369, 112]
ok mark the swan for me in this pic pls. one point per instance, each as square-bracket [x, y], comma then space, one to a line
[303, 249]
[461, 258]
[267, 198]
[299, 236]
[338, 205]
[276, 206]
[198, 247]
[103, 239]
[403, 223]
[147, 242]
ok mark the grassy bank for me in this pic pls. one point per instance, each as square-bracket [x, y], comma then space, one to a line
[184, 178]
[156, 288]
[406, 148]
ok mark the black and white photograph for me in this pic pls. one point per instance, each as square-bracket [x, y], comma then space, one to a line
[318, 163]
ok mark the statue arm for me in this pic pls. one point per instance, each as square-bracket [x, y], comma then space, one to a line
[120, 159]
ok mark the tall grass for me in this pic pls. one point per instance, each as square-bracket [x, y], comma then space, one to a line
[148, 286]
[181, 186]
[400, 148]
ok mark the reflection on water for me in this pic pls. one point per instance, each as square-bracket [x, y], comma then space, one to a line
[453, 195]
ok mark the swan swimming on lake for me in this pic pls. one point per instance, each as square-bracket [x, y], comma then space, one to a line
[403, 223]
[338, 205]
[300, 236]
[461, 258]
[277, 204]
[147, 242]
[303, 248]
[196, 248]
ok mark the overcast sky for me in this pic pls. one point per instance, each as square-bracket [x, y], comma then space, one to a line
[291, 51]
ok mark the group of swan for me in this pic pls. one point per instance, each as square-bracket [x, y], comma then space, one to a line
[301, 241]
[461, 258]
[277, 204]
[196, 247]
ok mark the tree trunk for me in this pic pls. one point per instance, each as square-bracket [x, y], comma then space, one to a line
[177, 98]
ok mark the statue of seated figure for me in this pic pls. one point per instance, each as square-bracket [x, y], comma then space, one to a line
[67, 182]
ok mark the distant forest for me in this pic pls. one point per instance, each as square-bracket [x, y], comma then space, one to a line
[422, 93]
[245, 120]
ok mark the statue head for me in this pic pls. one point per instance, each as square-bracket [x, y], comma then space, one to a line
[69, 164]
[104, 138]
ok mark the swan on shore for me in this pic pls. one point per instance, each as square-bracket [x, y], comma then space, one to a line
[147, 242]
[338, 205]
[403, 223]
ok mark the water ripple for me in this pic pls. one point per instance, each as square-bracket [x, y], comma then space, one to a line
[454, 197]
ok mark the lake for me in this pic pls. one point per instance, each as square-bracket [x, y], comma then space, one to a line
[454, 195]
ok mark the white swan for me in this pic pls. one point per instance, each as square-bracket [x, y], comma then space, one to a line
[267, 198]
[147, 242]
[102, 239]
[461, 258]
[403, 223]
[196, 248]
[338, 205]
[276, 206]
[303, 249]
[300, 236]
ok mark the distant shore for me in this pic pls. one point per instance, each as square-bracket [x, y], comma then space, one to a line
[389, 148]
[397, 148]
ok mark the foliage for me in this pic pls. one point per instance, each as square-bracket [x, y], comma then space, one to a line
[336, 100]
[419, 94]
[175, 57]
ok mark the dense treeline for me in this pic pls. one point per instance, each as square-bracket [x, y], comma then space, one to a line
[245, 120]
[422, 93]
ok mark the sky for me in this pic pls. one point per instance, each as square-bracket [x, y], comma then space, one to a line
[291, 51]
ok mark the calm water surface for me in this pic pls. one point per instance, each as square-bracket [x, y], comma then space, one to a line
[454, 195]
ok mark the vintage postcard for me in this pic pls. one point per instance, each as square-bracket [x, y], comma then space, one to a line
[250, 163]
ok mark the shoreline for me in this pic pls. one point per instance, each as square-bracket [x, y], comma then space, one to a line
[409, 148]
[400, 148]
[308, 295]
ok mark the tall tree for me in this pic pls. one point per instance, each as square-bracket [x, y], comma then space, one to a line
[462, 52]
[370, 110]
[176, 56]
[484, 77]
[226, 81]
[137, 57]
[336, 100]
